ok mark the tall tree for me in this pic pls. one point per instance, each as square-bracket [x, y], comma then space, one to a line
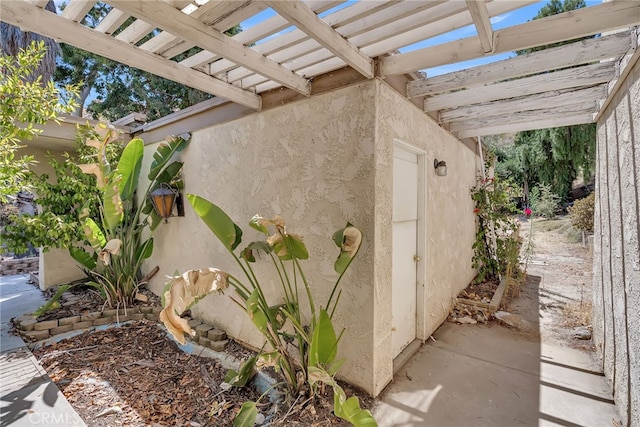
[557, 156]
[13, 40]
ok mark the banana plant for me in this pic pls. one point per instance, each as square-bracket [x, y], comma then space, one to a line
[115, 233]
[301, 352]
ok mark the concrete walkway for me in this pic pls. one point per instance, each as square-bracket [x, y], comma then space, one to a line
[490, 375]
[27, 395]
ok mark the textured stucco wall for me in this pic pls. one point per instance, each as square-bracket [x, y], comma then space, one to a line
[449, 219]
[309, 161]
[55, 266]
[320, 162]
[616, 317]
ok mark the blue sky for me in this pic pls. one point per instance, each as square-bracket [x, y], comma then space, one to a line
[509, 19]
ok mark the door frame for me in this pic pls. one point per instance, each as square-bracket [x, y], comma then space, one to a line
[421, 238]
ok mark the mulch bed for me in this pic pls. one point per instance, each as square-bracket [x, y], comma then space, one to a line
[482, 292]
[134, 375]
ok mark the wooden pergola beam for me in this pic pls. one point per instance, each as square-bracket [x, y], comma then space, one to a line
[76, 10]
[172, 20]
[552, 29]
[300, 15]
[482, 21]
[585, 107]
[540, 122]
[541, 101]
[588, 75]
[31, 18]
[570, 55]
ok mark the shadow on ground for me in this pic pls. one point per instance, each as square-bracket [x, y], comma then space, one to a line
[493, 375]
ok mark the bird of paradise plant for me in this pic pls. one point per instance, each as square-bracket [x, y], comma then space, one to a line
[116, 235]
[304, 354]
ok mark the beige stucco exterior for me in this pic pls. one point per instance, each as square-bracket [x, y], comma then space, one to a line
[616, 260]
[321, 162]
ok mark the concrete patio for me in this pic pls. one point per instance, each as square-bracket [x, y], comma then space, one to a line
[27, 395]
[492, 375]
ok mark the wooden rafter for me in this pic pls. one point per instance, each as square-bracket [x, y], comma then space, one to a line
[482, 21]
[437, 20]
[540, 101]
[565, 26]
[588, 75]
[585, 107]
[582, 52]
[114, 19]
[32, 18]
[163, 16]
[303, 17]
[76, 10]
[542, 121]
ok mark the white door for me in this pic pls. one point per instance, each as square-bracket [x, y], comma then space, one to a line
[405, 234]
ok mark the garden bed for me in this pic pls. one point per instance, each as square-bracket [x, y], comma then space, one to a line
[134, 374]
[477, 302]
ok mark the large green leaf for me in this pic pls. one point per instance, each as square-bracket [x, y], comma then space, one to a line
[342, 263]
[94, 234]
[349, 409]
[248, 252]
[145, 250]
[129, 167]
[324, 344]
[257, 316]
[163, 155]
[247, 415]
[113, 209]
[169, 173]
[83, 258]
[246, 372]
[218, 221]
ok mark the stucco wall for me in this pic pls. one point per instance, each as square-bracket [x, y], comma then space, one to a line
[56, 266]
[320, 162]
[449, 218]
[616, 268]
[309, 162]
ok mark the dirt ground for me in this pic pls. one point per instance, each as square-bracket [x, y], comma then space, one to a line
[563, 265]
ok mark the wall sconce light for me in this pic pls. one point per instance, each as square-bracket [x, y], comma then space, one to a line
[164, 199]
[440, 167]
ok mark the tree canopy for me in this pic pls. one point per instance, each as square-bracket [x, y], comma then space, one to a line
[116, 89]
[555, 156]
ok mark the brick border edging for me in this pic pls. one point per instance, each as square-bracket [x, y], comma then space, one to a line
[33, 330]
[11, 266]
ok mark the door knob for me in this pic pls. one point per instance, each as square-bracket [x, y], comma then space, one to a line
[416, 258]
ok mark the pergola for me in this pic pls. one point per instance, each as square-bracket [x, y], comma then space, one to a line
[291, 52]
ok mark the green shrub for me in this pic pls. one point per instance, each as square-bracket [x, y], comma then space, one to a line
[543, 201]
[581, 213]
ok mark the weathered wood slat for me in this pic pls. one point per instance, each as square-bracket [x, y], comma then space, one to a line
[135, 31]
[114, 19]
[76, 10]
[565, 26]
[302, 17]
[186, 27]
[541, 122]
[32, 18]
[435, 21]
[541, 101]
[482, 21]
[587, 75]
[578, 53]
[587, 107]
